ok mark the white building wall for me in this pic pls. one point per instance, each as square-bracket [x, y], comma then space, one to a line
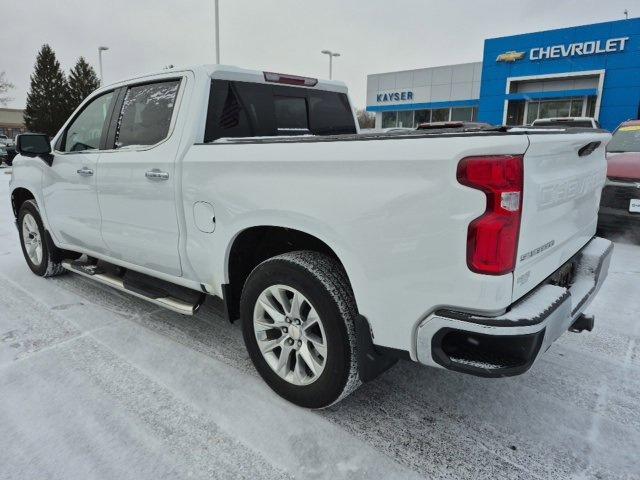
[436, 84]
[448, 83]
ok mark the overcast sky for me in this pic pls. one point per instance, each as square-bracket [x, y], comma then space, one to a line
[280, 35]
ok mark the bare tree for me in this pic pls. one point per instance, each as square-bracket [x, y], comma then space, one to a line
[365, 119]
[5, 86]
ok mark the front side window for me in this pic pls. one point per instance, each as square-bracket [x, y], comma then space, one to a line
[85, 131]
[146, 114]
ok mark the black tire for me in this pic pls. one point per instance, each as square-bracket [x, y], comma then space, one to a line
[322, 280]
[51, 263]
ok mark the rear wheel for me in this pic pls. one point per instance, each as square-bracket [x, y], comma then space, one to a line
[298, 316]
[44, 258]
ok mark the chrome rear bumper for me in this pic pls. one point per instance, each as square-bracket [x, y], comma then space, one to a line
[510, 343]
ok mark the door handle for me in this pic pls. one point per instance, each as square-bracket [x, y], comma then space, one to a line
[156, 174]
[85, 172]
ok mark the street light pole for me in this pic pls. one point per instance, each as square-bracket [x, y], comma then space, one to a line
[100, 50]
[217, 22]
[331, 55]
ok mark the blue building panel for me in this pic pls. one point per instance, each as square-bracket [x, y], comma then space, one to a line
[612, 47]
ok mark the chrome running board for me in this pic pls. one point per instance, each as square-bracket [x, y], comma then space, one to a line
[178, 306]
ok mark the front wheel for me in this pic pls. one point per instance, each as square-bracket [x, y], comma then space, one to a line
[43, 258]
[298, 315]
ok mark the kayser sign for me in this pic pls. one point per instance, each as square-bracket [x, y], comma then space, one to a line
[394, 96]
[581, 48]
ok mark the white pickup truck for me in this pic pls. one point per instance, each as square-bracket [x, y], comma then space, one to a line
[341, 252]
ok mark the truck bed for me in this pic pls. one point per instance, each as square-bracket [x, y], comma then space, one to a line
[401, 190]
[411, 135]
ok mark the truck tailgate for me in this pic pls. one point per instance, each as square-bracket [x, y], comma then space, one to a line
[560, 204]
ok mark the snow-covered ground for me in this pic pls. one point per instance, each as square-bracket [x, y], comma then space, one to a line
[98, 384]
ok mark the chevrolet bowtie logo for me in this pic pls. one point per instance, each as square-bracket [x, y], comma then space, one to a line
[510, 57]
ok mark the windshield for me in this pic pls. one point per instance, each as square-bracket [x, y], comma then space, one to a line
[625, 139]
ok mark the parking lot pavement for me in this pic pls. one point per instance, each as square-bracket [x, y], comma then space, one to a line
[97, 384]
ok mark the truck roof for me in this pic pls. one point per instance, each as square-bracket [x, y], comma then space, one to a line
[230, 72]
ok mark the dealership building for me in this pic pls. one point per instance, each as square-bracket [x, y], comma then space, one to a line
[586, 71]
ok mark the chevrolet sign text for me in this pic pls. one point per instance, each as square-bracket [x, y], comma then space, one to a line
[582, 48]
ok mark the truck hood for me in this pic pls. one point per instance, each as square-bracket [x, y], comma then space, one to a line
[623, 165]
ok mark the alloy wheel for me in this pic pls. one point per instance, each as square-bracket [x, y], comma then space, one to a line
[32, 239]
[290, 334]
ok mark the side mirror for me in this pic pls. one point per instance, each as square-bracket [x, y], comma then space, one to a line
[34, 145]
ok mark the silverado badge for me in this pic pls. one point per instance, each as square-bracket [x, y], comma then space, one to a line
[510, 56]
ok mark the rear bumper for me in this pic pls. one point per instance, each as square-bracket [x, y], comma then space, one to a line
[510, 344]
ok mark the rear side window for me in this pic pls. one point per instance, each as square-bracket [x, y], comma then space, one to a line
[242, 109]
[146, 114]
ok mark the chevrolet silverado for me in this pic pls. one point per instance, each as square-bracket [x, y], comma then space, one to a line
[465, 249]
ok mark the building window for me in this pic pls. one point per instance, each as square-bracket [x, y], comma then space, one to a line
[591, 107]
[532, 111]
[570, 107]
[466, 114]
[389, 119]
[421, 116]
[440, 115]
[405, 118]
[515, 112]
[576, 108]
[556, 108]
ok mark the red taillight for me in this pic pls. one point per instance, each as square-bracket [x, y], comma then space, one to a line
[492, 239]
[290, 79]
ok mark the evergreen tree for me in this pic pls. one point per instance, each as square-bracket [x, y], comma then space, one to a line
[82, 81]
[48, 98]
